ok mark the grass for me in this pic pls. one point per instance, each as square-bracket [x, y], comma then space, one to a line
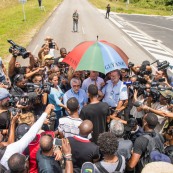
[12, 25]
[122, 7]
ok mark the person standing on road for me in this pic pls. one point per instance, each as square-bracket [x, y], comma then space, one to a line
[108, 9]
[39, 3]
[75, 21]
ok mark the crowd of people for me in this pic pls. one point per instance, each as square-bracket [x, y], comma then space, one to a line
[55, 119]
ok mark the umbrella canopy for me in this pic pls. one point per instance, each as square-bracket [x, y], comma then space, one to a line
[98, 56]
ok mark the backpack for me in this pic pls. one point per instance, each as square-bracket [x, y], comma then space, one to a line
[154, 151]
[103, 170]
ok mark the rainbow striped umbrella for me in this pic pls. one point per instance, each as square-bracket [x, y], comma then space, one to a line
[98, 56]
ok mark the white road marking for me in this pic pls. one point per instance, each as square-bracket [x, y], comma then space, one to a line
[159, 51]
[131, 32]
[153, 25]
[150, 45]
[116, 23]
[137, 36]
[127, 41]
[47, 30]
[35, 49]
[83, 30]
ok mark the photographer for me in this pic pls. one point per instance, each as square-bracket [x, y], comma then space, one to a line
[42, 53]
[20, 145]
[141, 94]
[160, 108]
[62, 65]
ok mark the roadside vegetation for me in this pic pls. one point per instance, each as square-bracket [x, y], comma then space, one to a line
[12, 25]
[149, 7]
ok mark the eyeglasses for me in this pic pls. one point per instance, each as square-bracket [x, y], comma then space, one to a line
[76, 86]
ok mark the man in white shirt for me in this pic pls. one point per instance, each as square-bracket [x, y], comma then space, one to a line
[69, 126]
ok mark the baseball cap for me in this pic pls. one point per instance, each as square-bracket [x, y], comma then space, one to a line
[166, 93]
[48, 57]
[4, 93]
[21, 130]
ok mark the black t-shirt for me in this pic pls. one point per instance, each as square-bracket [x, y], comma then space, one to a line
[97, 113]
[140, 145]
[82, 151]
[47, 164]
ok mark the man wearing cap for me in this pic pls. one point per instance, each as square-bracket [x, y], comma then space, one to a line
[160, 108]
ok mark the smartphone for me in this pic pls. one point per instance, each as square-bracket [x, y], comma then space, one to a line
[57, 142]
[162, 80]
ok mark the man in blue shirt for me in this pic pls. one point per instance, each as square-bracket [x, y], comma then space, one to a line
[76, 92]
[115, 93]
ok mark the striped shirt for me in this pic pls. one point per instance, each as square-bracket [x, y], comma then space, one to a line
[69, 126]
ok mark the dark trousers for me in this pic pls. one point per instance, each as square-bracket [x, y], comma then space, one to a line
[107, 14]
[39, 3]
[75, 26]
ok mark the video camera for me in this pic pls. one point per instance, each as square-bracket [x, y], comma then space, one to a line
[162, 65]
[21, 50]
[14, 111]
[22, 99]
[46, 87]
[52, 45]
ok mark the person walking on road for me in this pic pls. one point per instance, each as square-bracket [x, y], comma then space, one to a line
[39, 3]
[75, 21]
[108, 9]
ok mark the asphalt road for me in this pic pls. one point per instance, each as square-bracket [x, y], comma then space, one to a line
[158, 27]
[91, 24]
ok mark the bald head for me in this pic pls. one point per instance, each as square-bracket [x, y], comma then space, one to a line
[86, 128]
[16, 163]
[46, 143]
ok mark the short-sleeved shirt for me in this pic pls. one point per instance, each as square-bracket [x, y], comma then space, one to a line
[87, 82]
[97, 113]
[161, 119]
[113, 94]
[83, 150]
[69, 126]
[81, 96]
[55, 96]
[110, 167]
